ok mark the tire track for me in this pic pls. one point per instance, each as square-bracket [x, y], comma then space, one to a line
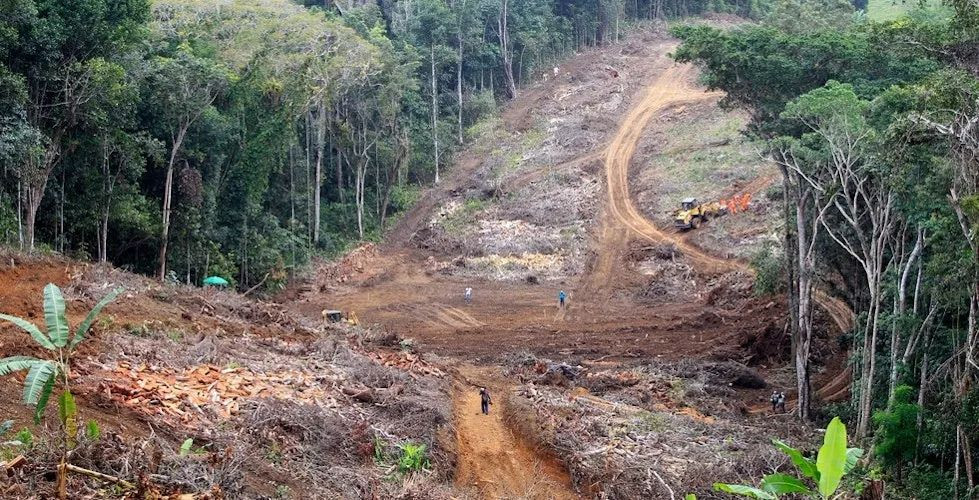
[622, 219]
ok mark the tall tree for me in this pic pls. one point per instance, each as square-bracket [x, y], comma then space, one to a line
[60, 49]
[182, 88]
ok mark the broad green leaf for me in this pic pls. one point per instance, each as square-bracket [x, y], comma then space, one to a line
[85, 325]
[54, 315]
[36, 378]
[690, 496]
[781, 484]
[16, 364]
[29, 327]
[42, 401]
[852, 456]
[185, 446]
[743, 490]
[806, 467]
[831, 459]
[67, 412]
[6, 426]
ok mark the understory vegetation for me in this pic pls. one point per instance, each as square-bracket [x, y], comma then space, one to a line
[873, 126]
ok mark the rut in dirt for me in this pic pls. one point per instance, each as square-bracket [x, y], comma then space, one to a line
[492, 458]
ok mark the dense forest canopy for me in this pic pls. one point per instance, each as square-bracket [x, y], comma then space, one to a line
[184, 138]
[873, 126]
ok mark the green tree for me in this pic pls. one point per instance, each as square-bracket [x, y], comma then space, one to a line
[61, 50]
[182, 88]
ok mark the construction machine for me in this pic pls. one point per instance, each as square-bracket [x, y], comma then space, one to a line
[692, 213]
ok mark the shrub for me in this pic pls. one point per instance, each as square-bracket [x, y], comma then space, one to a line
[44, 374]
[898, 434]
[768, 265]
[414, 458]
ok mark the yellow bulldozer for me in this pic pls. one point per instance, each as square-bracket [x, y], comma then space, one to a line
[692, 213]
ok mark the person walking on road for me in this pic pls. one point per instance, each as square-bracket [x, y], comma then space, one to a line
[469, 295]
[484, 400]
[561, 296]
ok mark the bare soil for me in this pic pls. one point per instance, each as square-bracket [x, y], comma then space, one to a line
[564, 191]
[629, 300]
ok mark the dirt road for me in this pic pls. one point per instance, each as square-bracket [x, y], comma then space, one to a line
[492, 459]
[621, 219]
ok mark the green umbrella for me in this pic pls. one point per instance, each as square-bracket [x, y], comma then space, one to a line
[215, 281]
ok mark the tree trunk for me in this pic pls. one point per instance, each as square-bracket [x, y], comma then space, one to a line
[503, 34]
[900, 309]
[33, 204]
[36, 186]
[399, 160]
[20, 214]
[61, 215]
[459, 87]
[966, 457]
[803, 343]
[435, 115]
[791, 265]
[308, 152]
[318, 179]
[360, 174]
[869, 363]
[922, 382]
[167, 197]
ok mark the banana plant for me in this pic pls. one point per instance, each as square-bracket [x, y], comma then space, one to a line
[44, 375]
[833, 461]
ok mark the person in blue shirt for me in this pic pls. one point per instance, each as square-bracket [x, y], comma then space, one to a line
[561, 296]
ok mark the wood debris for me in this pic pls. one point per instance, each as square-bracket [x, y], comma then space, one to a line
[406, 361]
[183, 395]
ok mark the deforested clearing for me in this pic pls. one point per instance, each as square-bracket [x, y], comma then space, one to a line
[488, 249]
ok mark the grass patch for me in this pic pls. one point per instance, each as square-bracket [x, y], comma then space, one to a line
[465, 216]
[888, 10]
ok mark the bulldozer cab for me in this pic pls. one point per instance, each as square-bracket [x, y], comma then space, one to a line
[688, 203]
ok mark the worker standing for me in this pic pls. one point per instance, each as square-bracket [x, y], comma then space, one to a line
[774, 401]
[561, 296]
[781, 402]
[469, 295]
[484, 400]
